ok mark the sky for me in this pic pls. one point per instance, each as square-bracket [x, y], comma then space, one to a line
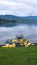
[18, 7]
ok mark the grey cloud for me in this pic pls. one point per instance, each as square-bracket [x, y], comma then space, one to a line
[19, 7]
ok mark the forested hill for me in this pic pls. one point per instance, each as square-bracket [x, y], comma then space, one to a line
[9, 17]
[14, 19]
[6, 21]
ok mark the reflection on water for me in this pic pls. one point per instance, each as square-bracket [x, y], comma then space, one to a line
[28, 30]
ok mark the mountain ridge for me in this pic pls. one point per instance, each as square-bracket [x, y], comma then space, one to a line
[9, 17]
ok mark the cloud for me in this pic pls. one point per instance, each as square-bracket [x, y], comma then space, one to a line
[19, 7]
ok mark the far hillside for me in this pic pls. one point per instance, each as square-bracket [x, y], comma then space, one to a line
[16, 19]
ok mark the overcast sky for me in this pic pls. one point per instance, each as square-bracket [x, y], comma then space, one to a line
[19, 7]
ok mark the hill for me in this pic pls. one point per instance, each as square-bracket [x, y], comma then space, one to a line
[13, 17]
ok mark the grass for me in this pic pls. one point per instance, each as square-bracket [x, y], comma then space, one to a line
[18, 56]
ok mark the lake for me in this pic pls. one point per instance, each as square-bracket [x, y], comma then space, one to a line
[9, 31]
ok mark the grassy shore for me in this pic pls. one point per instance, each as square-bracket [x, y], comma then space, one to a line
[18, 56]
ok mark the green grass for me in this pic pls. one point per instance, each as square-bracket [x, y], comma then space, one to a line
[18, 56]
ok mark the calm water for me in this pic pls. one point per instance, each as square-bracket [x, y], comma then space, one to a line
[9, 31]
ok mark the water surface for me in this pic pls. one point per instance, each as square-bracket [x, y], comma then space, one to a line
[9, 31]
